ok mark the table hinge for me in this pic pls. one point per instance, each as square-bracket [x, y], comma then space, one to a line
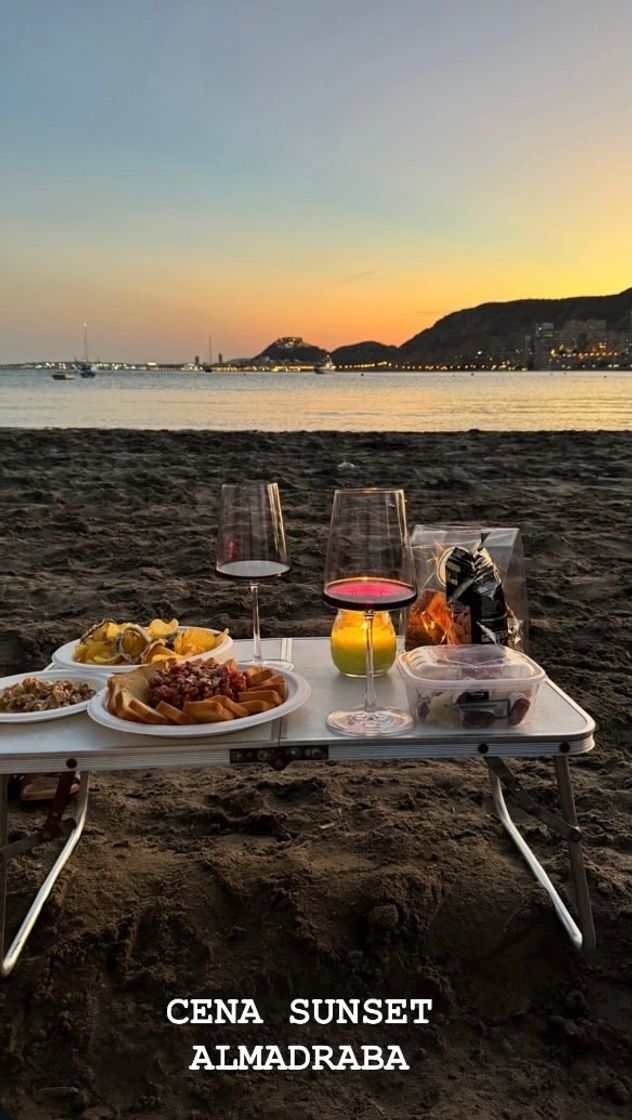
[526, 801]
[277, 757]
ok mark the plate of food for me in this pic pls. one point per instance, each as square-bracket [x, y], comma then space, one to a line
[30, 697]
[185, 699]
[123, 646]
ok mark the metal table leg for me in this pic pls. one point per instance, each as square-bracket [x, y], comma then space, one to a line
[21, 937]
[580, 884]
[583, 938]
[4, 834]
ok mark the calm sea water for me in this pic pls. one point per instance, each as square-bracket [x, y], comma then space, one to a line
[299, 401]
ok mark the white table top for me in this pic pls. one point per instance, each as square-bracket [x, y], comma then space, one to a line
[556, 725]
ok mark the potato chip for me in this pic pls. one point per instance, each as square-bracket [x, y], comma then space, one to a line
[194, 640]
[159, 629]
[98, 653]
[157, 651]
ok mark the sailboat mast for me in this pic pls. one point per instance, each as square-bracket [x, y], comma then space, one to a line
[210, 350]
[85, 342]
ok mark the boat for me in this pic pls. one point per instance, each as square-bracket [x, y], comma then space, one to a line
[326, 366]
[64, 375]
[86, 370]
[85, 367]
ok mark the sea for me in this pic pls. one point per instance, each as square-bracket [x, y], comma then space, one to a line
[341, 401]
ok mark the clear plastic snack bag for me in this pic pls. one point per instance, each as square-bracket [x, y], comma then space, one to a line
[471, 587]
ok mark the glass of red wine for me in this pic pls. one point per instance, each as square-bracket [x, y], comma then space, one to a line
[251, 546]
[369, 567]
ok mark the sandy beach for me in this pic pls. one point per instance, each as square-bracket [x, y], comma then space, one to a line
[226, 883]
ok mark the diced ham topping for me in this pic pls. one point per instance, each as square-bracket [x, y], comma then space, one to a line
[195, 681]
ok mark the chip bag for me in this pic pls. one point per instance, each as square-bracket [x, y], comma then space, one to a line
[471, 587]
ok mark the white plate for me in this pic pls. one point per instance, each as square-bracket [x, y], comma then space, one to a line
[298, 691]
[52, 713]
[65, 655]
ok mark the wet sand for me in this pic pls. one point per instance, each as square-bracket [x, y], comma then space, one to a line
[227, 883]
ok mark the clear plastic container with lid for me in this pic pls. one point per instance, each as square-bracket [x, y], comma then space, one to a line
[475, 687]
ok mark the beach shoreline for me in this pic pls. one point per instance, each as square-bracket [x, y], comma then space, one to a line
[410, 890]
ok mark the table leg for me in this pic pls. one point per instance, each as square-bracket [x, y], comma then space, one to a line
[19, 941]
[580, 884]
[583, 938]
[4, 836]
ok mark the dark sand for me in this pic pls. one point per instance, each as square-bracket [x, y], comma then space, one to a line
[200, 883]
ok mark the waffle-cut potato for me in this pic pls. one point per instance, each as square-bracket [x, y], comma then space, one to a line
[207, 711]
[268, 694]
[277, 682]
[257, 676]
[234, 710]
[266, 678]
[172, 714]
[253, 707]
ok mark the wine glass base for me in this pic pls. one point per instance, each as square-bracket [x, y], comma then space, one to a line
[268, 663]
[371, 725]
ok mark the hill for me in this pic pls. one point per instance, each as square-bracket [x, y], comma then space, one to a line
[292, 349]
[500, 329]
[359, 353]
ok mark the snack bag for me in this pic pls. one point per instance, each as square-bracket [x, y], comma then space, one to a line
[472, 587]
[475, 598]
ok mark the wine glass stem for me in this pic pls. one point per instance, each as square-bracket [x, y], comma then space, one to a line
[256, 629]
[370, 703]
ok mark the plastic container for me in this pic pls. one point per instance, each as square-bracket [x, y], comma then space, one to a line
[470, 687]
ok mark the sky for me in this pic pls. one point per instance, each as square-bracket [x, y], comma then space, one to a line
[337, 169]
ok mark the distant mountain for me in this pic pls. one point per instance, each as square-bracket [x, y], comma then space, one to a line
[483, 336]
[359, 353]
[501, 328]
[291, 349]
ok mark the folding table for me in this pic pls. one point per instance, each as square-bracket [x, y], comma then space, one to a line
[557, 729]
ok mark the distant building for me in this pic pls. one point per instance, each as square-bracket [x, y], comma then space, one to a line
[577, 344]
[289, 342]
[543, 345]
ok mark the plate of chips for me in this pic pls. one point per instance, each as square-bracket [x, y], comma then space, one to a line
[225, 697]
[123, 646]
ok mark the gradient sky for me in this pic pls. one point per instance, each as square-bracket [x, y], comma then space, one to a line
[339, 169]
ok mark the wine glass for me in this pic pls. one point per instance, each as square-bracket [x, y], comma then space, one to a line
[369, 567]
[251, 545]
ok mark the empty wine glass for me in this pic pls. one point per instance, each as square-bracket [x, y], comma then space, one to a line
[369, 567]
[251, 545]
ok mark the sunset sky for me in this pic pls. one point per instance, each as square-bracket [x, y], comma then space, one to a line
[338, 169]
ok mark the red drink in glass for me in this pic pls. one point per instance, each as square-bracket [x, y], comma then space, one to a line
[368, 593]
